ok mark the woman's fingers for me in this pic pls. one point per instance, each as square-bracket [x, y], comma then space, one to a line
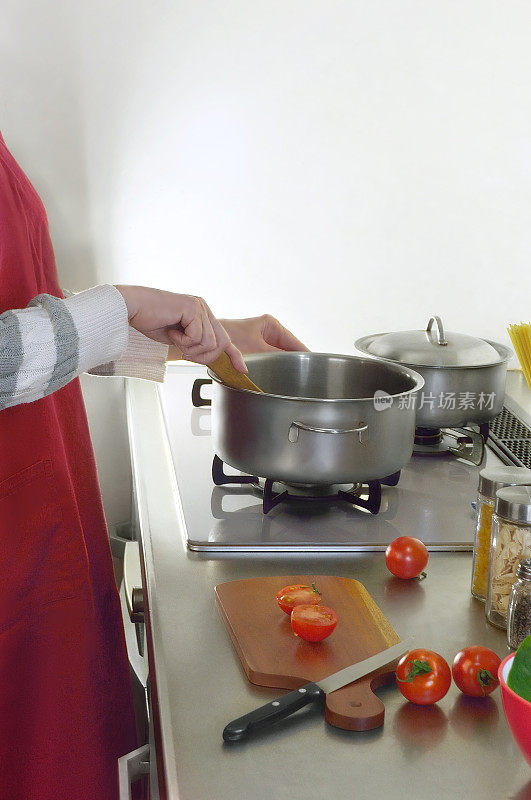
[236, 358]
[277, 336]
[195, 333]
[194, 322]
[225, 345]
[220, 337]
[204, 338]
[198, 354]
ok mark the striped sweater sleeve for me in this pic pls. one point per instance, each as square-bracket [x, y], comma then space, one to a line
[45, 345]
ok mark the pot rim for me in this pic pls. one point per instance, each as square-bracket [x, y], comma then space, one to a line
[400, 369]
[504, 352]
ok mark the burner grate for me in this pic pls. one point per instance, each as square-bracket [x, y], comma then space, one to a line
[512, 437]
[463, 443]
[367, 496]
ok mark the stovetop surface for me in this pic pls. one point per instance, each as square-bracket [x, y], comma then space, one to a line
[432, 501]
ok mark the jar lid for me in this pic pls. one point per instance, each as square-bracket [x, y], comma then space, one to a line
[524, 569]
[434, 347]
[514, 503]
[493, 478]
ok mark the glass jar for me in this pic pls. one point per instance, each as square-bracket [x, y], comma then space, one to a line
[510, 543]
[519, 614]
[490, 480]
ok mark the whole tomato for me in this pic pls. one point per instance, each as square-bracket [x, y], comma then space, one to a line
[423, 677]
[406, 557]
[296, 595]
[475, 670]
[313, 623]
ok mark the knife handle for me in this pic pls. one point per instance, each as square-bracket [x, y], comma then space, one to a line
[272, 712]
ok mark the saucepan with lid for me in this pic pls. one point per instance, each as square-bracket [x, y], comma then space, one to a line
[319, 419]
[464, 375]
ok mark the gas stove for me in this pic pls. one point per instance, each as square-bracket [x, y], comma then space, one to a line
[226, 512]
[467, 444]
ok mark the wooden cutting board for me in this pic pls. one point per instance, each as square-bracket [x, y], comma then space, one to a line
[272, 656]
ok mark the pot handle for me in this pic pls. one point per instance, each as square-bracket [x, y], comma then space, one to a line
[295, 427]
[441, 338]
[198, 401]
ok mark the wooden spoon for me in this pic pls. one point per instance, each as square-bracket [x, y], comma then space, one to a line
[229, 375]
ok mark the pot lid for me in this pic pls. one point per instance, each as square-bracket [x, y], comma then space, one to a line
[433, 347]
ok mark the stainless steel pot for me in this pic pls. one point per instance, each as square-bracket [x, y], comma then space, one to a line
[464, 376]
[321, 418]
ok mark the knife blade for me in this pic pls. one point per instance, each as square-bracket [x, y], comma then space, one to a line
[309, 693]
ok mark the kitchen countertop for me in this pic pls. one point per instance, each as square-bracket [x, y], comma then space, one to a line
[458, 748]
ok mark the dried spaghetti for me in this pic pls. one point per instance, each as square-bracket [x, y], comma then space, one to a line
[521, 339]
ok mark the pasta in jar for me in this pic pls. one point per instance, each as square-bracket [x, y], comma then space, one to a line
[510, 543]
[491, 479]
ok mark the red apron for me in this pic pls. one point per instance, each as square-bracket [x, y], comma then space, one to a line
[66, 710]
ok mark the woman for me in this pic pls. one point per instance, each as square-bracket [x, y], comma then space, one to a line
[65, 702]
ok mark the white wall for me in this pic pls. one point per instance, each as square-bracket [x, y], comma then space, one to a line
[348, 166]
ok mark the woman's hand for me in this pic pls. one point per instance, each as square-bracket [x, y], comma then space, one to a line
[261, 334]
[181, 320]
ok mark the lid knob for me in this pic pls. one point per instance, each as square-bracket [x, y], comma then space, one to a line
[441, 338]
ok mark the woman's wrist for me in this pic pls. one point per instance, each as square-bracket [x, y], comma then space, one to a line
[131, 302]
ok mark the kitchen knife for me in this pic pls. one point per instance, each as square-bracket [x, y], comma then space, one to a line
[309, 693]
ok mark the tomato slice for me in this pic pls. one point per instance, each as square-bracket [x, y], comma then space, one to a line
[313, 622]
[296, 595]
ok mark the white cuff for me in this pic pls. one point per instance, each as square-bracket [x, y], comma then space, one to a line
[100, 317]
[143, 358]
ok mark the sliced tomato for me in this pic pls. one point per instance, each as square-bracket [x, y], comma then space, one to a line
[313, 622]
[297, 595]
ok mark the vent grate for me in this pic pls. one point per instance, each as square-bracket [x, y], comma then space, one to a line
[512, 437]
[507, 426]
